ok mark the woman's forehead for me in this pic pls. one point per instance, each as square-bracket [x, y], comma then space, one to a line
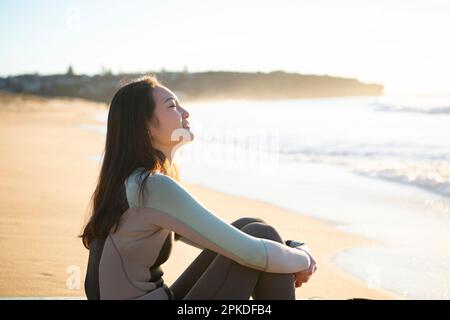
[163, 94]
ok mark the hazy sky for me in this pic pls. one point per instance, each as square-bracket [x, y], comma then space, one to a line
[403, 44]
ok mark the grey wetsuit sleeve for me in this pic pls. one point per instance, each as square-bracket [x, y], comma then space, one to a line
[169, 205]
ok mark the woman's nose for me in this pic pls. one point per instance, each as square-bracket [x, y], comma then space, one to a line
[185, 113]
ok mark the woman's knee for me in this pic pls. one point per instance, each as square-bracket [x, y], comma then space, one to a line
[262, 230]
[242, 222]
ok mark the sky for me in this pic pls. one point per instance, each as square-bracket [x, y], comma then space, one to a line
[402, 44]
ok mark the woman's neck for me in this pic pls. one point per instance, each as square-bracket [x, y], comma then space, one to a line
[167, 151]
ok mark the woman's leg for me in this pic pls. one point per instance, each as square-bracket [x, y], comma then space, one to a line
[194, 271]
[226, 279]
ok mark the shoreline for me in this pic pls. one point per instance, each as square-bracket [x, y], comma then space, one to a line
[46, 182]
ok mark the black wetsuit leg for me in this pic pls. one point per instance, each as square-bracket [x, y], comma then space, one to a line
[213, 276]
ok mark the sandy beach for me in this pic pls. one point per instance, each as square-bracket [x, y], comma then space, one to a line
[47, 178]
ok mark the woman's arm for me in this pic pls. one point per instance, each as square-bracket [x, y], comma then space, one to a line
[169, 205]
[187, 241]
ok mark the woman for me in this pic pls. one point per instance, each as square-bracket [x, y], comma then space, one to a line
[139, 209]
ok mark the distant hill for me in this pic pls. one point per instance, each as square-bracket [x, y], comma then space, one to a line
[196, 86]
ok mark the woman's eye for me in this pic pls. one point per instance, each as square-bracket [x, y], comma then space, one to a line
[173, 106]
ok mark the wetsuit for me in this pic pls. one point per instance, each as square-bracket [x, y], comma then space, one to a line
[127, 264]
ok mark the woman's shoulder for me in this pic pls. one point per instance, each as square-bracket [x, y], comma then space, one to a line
[152, 186]
[140, 174]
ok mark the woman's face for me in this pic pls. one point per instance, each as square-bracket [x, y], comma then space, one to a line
[169, 121]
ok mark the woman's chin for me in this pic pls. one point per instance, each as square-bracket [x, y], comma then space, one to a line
[190, 137]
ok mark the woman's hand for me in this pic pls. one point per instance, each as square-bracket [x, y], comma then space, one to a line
[303, 276]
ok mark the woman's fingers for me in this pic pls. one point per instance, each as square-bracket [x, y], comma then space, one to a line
[303, 276]
[299, 283]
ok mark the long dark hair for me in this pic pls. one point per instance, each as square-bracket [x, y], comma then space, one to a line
[128, 146]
